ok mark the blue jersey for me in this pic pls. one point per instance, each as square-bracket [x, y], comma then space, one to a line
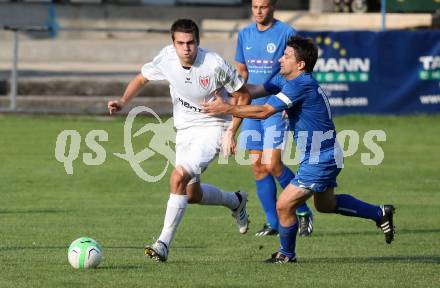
[309, 113]
[260, 51]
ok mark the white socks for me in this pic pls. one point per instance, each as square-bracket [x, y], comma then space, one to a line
[214, 196]
[177, 205]
[175, 210]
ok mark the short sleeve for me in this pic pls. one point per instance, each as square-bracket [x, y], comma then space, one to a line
[239, 56]
[277, 103]
[291, 32]
[289, 95]
[227, 76]
[152, 70]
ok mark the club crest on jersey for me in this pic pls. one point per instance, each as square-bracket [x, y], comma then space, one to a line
[271, 48]
[204, 82]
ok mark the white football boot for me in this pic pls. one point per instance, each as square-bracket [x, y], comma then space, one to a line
[240, 213]
[158, 251]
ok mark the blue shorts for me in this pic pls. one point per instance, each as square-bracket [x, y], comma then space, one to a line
[269, 133]
[317, 176]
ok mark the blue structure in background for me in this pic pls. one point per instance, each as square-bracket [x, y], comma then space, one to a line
[383, 12]
[390, 72]
[51, 21]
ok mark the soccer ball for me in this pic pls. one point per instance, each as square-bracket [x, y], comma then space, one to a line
[84, 252]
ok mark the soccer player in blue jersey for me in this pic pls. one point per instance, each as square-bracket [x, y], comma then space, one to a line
[259, 46]
[297, 92]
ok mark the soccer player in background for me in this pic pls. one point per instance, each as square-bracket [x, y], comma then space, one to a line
[297, 92]
[193, 75]
[259, 46]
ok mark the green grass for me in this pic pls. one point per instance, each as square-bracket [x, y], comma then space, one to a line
[42, 209]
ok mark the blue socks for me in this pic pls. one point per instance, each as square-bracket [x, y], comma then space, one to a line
[288, 239]
[284, 179]
[349, 206]
[286, 176]
[267, 193]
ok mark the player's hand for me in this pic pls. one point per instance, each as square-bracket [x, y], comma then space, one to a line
[216, 107]
[114, 106]
[284, 115]
[229, 146]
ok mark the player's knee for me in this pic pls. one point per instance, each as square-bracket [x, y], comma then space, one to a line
[176, 176]
[283, 208]
[179, 178]
[274, 168]
[259, 170]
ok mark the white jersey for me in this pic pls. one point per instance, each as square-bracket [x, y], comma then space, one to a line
[190, 87]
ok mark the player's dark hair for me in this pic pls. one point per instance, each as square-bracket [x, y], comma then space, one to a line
[273, 2]
[186, 26]
[305, 50]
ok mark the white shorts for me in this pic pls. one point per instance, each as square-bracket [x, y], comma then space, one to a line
[196, 147]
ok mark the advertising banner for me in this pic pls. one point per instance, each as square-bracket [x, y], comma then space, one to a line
[391, 72]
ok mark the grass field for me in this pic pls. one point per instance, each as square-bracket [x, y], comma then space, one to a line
[42, 209]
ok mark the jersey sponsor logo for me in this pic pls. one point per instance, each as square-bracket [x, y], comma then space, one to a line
[204, 82]
[189, 106]
[259, 61]
[248, 47]
[271, 47]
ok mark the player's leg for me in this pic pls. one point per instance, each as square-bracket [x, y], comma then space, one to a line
[178, 201]
[274, 140]
[204, 148]
[290, 199]
[267, 194]
[251, 139]
[176, 204]
[284, 175]
[347, 205]
[207, 194]
[176, 207]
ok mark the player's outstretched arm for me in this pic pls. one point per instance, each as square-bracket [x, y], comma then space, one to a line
[131, 91]
[239, 97]
[242, 69]
[257, 91]
[219, 107]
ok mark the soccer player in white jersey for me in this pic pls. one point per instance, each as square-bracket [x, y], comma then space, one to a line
[193, 75]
